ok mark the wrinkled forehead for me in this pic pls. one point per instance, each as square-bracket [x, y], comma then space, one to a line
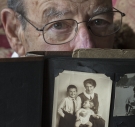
[35, 5]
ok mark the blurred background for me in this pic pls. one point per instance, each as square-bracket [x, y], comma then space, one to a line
[124, 39]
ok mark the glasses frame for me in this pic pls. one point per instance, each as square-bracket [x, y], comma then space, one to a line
[116, 10]
[42, 29]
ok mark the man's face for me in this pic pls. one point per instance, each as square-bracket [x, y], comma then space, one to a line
[72, 92]
[89, 88]
[41, 12]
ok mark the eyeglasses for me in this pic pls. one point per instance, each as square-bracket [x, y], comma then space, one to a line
[63, 31]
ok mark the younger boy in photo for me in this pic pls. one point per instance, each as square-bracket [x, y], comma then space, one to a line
[83, 114]
[68, 108]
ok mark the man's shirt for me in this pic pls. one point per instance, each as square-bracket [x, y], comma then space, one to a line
[14, 55]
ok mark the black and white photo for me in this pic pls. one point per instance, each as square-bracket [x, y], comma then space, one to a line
[81, 100]
[125, 96]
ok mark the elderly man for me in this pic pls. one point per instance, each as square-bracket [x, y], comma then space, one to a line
[59, 25]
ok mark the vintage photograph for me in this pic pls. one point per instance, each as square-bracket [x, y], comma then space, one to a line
[125, 96]
[81, 100]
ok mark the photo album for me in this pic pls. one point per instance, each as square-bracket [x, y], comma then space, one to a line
[56, 89]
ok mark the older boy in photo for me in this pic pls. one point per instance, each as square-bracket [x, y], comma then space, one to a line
[68, 108]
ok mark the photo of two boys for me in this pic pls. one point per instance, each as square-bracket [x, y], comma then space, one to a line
[80, 108]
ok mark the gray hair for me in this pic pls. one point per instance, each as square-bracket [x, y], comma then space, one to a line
[18, 6]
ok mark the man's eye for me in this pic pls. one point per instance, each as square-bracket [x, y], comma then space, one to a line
[58, 25]
[61, 26]
[99, 22]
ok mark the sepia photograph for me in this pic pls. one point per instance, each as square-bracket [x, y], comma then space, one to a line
[81, 100]
[125, 96]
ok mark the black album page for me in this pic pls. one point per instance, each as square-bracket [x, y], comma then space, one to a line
[21, 85]
[104, 85]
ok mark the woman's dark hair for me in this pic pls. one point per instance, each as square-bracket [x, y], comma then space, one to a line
[71, 86]
[90, 81]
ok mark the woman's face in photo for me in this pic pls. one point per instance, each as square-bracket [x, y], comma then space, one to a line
[89, 88]
[72, 92]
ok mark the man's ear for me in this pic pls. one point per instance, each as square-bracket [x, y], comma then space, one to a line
[12, 28]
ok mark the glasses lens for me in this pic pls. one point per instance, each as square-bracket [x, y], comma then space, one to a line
[104, 24]
[60, 32]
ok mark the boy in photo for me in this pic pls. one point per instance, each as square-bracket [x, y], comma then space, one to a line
[68, 108]
[83, 114]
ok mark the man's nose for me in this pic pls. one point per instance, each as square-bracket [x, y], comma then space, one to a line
[83, 39]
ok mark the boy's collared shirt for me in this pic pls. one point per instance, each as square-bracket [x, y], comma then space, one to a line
[67, 105]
